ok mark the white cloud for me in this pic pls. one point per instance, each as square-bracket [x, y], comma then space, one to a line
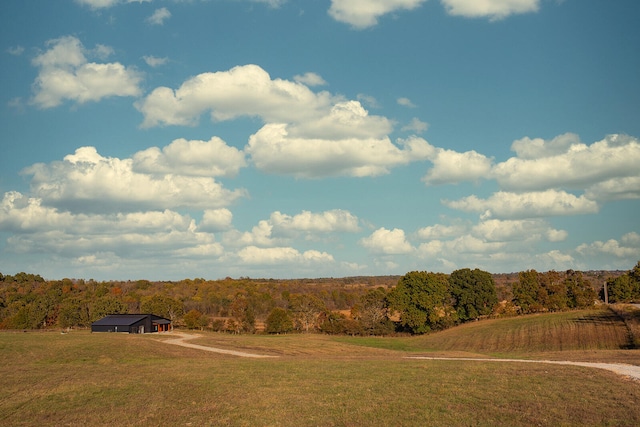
[536, 148]
[159, 16]
[439, 231]
[154, 61]
[450, 167]
[323, 222]
[39, 228]
[628, 248]
[615, 189]
[564, 162]
[361, 14]
[190, 158]
[88, 182]
[416, 125]
[406, 102]
[495, 230]
[493, 9]
[310, 79]
[65, 74]
[242, 91]
[526, 205]
[216, 220]
[282, 228]
[98, 4]
[104, 4]
[388, 242]
[273, 150]
[282, 255]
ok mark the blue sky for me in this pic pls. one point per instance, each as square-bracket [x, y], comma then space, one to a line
[278, 138]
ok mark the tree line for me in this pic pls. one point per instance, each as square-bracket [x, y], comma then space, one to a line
[416, 303]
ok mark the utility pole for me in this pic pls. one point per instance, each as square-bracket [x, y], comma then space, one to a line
[606, 293]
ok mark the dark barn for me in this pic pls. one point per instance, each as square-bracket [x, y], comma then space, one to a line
[132, 323]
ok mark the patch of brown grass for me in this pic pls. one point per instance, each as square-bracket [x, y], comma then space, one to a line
[630, 314]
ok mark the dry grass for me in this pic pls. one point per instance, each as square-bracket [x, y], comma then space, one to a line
[50, 379]
[630, 314]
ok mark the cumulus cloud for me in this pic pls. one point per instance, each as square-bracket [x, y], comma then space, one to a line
[387, 242]
[627, 248]
[159, 16]
[517, 230]
[336, 220]
[242, 91]
[273, 150]
[190, 158]
[216, 220]
[362, 14]
[40, 228]
[525, 205]
[440, 231]
[565, 162]
[88, 182]
[450, 167]
[493, 9]
[282, 255]
[65, 74]
[281, 228]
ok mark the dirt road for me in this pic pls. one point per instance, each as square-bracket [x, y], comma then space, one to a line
[631, 371]
[182, 338]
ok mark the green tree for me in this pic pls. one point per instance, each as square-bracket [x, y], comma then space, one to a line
[620, 289]
[279, 321]
[474, 292]
[528, 293]
[423, 301]
[580, 293]
[74, 311]
[162, 305]
[106, 305]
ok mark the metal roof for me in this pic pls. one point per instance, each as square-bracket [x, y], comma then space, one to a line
[120, 319]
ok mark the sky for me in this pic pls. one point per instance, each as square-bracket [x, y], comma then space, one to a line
[168, 139]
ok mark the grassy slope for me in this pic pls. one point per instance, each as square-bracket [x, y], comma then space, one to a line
[116, 379]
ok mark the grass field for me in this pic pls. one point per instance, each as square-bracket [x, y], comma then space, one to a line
[79, 378]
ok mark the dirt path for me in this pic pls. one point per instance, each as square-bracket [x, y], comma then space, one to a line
[182, 338]
[631, 371]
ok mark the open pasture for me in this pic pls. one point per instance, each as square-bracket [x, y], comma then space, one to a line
[79, 378]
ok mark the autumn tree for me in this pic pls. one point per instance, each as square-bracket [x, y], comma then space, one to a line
[306, 308]
[279, 321]
[243, 314]
[195, 320]
[372, 312]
